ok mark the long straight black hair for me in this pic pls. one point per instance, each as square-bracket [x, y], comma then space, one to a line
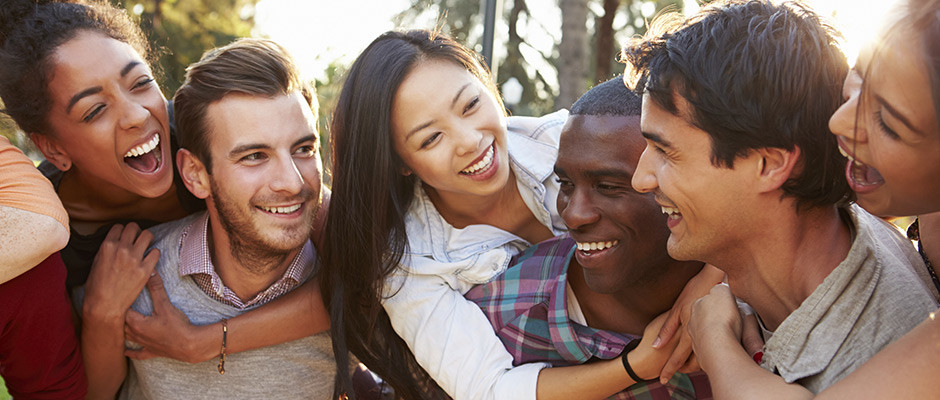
[365, 229]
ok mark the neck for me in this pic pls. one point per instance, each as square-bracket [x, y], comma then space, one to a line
[504, 209]
[90, 209]
[461, 210]
[245, 269]
[632, 307]
[781, 267]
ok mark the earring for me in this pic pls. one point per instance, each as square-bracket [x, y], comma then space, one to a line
[65, 166]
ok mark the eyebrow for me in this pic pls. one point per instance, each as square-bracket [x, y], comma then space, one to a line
[894, 113]
[599, 173]
[609, 173]
[427, 124]
[97, 89]
[260, 146]
[657, 139]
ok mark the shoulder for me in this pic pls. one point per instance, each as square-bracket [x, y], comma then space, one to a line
[168, 230]
[534, 272]
[546, 128]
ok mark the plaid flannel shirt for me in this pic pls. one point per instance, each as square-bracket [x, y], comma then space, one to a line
[527, 306]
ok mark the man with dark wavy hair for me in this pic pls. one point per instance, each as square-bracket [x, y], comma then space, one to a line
[736, 103]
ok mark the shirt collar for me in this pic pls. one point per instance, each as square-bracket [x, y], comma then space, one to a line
[195, 258]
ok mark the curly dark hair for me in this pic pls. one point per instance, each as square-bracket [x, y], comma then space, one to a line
[31, 31]
[756, 75]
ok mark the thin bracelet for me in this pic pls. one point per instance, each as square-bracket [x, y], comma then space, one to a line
[626, 363]
[222, 352]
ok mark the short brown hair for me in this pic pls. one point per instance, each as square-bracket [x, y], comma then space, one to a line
[258, 67]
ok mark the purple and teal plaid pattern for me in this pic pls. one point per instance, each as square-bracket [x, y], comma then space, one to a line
[527, 307]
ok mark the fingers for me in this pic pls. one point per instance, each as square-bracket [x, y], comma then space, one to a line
[157, 293]
[691, 365]
[668, 330]
[750, 335]
[678, 358]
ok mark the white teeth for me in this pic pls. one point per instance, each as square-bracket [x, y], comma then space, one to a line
[144, 148]
[846, 154]
[672, 212]
[594, 246]
[484, 163]
[281, 210]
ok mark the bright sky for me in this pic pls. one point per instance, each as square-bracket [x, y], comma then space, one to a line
[320, 31]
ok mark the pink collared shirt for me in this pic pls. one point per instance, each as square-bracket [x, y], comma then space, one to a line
[196, 262]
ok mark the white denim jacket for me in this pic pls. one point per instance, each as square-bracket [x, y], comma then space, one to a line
[449, 335]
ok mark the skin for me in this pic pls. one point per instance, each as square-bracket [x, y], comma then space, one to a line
[264, 156]
[708, 205]
[444, 121]
[264, 153]
[19, 229]
[896, 131]
[623, 287]
[125, 108]
[896, 81]
[104, 104]
[721, 212]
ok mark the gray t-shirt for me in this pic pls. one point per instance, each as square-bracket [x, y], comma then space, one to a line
[870, 300]
[302, 368]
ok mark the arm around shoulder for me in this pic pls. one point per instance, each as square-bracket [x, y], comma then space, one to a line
[27, 238]
[34, 223]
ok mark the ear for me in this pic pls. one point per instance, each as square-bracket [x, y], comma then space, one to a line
[405, 171]
[194, 174]
[52, 150]
[775, 166]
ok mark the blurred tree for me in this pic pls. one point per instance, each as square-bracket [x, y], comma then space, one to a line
[181, 30]
[573, 51]
[519, 49]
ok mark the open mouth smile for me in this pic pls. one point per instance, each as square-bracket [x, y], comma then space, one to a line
[482, 164]
[146, 157]
[592, 248]
[862, 177]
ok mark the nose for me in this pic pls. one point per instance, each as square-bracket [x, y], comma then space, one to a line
[469, 141]
[644, 178]
[287, 178]
[133, 114]
[844, 122]
[579, 210]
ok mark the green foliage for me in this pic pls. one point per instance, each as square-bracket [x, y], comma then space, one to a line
[327, 94]
[181, 30]
[523, 59]
[4, 395]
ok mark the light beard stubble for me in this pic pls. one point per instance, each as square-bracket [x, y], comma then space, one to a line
[247, 246]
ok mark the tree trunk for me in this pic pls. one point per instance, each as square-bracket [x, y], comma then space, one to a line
[605, 41]
[572, 52]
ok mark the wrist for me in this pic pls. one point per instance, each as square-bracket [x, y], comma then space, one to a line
[101, 314]
[204, 345]
[634, 366]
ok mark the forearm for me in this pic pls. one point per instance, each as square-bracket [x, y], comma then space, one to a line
[103, 353]
[19, 248]
[733, 374]
[296, 315]
[588, 381]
